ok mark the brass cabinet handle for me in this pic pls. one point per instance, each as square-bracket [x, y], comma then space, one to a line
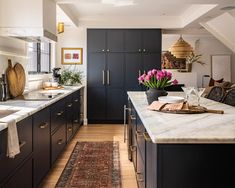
[132, 117]
[108, 50]
[138, 178]
[147, 137]
[22, 143]
[103, 50]
[60, 113]
[69, 105]
[108, 77]
[75, 121]
[139, 50]
[75, 100]
[70, 129]
[43, 125]
[60, 142]
[133, 148]
[144, 50]
[139, 133]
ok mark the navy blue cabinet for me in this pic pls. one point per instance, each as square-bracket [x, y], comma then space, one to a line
[116, 58]
[41, 144]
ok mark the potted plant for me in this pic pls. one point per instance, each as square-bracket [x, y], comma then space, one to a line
[190, 59]
[70, 78]
[156, 81]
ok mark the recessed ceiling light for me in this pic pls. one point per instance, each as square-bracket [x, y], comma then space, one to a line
[228, 8]
[118, 3]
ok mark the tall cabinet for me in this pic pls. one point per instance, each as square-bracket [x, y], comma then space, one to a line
[116, 57]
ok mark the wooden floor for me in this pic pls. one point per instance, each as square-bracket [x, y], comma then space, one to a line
[96, 133]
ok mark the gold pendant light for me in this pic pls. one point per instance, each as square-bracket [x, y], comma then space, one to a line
[60, 27]
[181, 49]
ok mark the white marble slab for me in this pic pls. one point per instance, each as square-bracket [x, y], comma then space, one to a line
[187, 128]
[26, 108]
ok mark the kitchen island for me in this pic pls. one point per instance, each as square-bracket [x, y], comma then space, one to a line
[182, 150]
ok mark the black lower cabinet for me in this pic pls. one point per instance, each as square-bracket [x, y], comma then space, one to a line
[23, 176]
[69, 117]
[169, 165]
[9, 165]
[58, 142]
[41, 144]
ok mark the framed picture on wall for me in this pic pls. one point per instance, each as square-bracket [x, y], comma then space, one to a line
[71, 56]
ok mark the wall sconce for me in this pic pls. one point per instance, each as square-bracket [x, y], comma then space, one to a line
[60, 27]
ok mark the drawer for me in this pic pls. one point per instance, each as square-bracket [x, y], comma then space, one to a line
[57, 115]
[25, 133]
[140, 137]
[140, 172]
[23, 177]
[58, 142]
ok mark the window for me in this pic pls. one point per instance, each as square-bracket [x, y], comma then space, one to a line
[39, 57]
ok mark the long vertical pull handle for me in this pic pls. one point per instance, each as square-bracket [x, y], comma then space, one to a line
[108, 77]
[103, 77]
[139, 75]
[125, 125]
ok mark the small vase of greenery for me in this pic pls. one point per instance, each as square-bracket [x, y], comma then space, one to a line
[70, 78]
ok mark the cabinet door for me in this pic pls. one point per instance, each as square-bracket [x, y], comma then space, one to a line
[96, 70]
[115, 103]
[152, 40]
[23, 176]
[69, 117]
[140, 172]
[25, 135]
[133, 40]
[41, 144]
[76, 111]
[58, 142]
[96, 103]
[115, 40]
[96, 40]
[132, 71]
[115, 70]
[151, 60]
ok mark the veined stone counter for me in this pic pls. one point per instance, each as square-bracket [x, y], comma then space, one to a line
[26, 108]
[186, 128]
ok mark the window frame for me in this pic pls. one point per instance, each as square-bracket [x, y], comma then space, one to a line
[39, 61]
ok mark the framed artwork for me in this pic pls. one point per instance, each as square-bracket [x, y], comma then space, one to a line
[169, 61]
[71, 56]
[221, 67]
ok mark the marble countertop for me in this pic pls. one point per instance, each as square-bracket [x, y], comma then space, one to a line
[187, 128]
[25, 108]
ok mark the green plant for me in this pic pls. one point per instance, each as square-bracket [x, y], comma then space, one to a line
[192, 57]
[70, 78]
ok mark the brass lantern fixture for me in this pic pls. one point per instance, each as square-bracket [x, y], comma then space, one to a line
[181, 49]
[60, 27]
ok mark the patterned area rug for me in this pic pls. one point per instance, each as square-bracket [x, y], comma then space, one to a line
[92, 165]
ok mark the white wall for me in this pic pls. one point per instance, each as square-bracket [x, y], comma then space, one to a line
[205, 45]
[74, 37]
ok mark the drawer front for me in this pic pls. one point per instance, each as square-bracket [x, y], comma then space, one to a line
[69, 116]
[57, 115]
[140, 172]
[140, 138]
[23, 177]
[25, 133]
[41, 143]
[58, 142]
[133, 149]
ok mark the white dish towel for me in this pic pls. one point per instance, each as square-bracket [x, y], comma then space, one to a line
[13, 147]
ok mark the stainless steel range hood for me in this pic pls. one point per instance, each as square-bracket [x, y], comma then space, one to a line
[32, 21]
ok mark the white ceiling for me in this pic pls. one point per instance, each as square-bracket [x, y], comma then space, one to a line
[168, 14]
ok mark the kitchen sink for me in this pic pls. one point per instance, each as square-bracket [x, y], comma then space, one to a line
[4, 113]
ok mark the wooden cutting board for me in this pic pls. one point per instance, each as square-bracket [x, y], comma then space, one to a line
[16, 79]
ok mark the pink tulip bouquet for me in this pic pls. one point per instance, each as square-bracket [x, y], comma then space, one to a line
[158, 79]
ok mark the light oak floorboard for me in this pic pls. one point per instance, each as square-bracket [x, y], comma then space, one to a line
[95, 132]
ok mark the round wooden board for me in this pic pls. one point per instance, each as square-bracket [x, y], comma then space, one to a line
[16, 79]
